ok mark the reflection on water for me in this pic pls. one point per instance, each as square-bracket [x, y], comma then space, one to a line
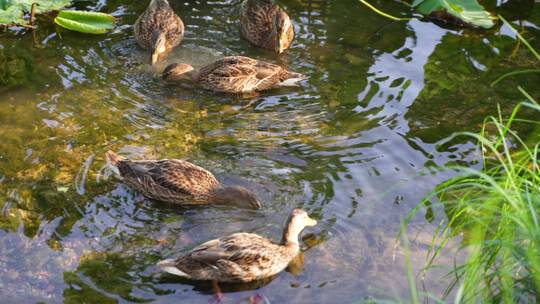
[357, 145]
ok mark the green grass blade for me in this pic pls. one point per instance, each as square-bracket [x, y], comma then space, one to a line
[410, 277]
[513, 74]
[523, 40]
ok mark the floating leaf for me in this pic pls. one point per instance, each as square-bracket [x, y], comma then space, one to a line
[85, 22]
[12, 11]
[48, 5]
[10, 14]
[469, 11]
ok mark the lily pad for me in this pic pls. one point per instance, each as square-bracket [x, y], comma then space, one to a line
[85, 22]
[13, 11]
[42, 6]
[10, 14]
[469, 11]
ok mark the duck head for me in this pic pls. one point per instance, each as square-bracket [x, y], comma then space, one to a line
[157, 4]
[180, 71]
[284, 31]
[297, 221]
[237, 196]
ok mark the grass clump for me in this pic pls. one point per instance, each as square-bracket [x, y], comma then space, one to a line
[497, 212]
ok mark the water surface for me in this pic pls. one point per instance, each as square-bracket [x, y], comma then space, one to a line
[357, 145]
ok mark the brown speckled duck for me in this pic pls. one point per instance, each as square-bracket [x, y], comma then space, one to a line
[241, 257]
[158, 29]
[234, 74]
[266, 25]
[180, 182]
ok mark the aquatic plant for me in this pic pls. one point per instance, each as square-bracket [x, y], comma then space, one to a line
[13, 12]
[449, 11]
[85, 22]
[470, 12]
[495, 210]
[22, 13]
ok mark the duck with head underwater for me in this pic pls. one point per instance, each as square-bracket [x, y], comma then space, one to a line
[234, 74]
[264, 24]
[180, 182]
[158, 29]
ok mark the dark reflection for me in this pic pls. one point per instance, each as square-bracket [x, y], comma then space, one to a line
[458, 105]
[208, 289]
[295, 267]
[513, 10]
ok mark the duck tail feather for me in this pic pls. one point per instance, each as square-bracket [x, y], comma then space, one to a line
[113, 158]
[291, 82]
[291, 79]
[169, 266]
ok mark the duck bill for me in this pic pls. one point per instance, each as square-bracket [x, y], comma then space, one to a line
[279, 48]
[311, 222]
[154, 58]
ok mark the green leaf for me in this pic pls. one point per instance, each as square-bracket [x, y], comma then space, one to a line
[469, 11]
[4, 4]
[11, 14]
[49, 5]
[12, 11]
[85, 22]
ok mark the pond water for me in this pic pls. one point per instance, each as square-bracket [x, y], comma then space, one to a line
[357, 145]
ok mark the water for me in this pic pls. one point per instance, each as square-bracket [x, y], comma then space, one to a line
[357, 146]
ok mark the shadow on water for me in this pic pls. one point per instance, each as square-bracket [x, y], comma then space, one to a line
[208, 288]
[357, 146]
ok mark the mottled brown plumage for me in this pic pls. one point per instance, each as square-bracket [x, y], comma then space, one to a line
[266, 25]
[178, 181]
[234, 74]
[241, 257]
[158, 29]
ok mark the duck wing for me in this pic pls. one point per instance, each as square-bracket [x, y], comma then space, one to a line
[238, 247]
[172, 175]
[238, 257]
[271, 75]
[238, 74]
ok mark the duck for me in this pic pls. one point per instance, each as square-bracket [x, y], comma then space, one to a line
[179, 182]
[266, 25]
[158, 29]
[234, 74]
[241, 257]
